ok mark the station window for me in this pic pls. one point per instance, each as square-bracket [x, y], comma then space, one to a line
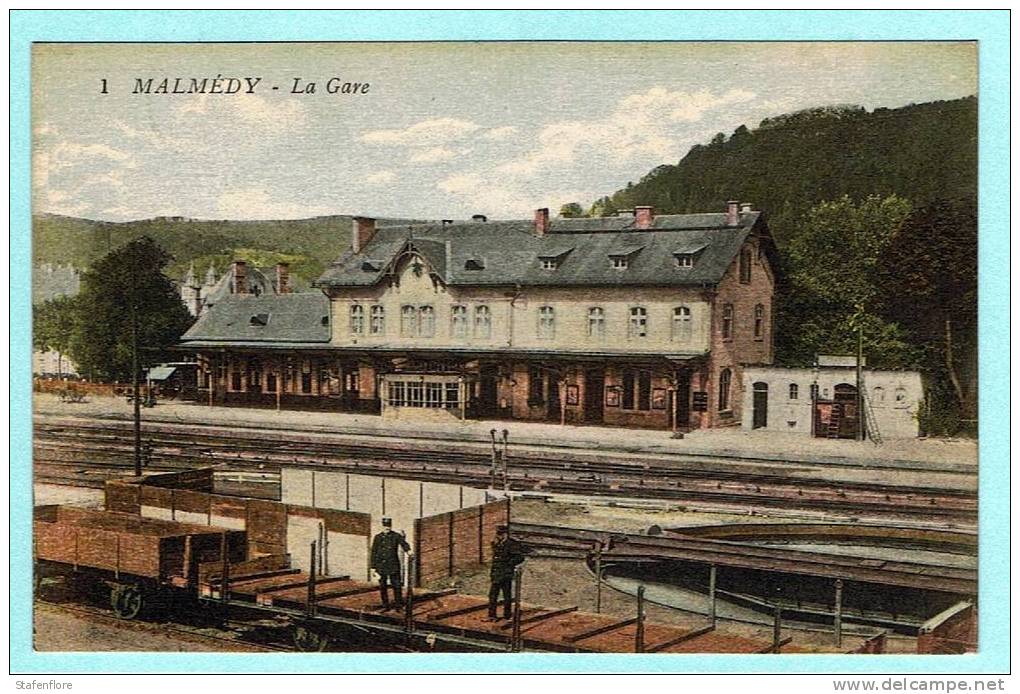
[378, 326]
[408, 321]
[458, 321]
[357, 319]
[423, 394]
[794, 391]
[724, 389]
[727, 322]
[681, 324]
[638, 322]
[426, 321]
[745, 266]
[596, 322]
[546, 322]
[483, 322]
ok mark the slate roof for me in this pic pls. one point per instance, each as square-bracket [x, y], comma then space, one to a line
[511, 252]
[292, 318]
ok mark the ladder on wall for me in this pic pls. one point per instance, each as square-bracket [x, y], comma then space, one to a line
[869, 421]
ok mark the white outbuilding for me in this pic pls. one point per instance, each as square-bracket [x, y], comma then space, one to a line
[822, 400]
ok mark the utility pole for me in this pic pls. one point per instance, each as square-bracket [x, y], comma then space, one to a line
[861, 423]
[136, 396]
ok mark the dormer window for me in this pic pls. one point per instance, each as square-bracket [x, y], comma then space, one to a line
[553, 258]
[687, 255]
[259, 320]
[549, 263]
[474, 264]
[371, 266]
[620, 262]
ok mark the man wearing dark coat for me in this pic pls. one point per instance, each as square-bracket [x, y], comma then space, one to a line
[507, 553]
[386, 562]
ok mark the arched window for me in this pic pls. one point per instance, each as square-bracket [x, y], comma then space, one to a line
[681, 323]
[596, 322]
[357, 319]
[408, 321]
[900, 397]
[546, 322]
[878, 395]
[458, 322]
[745, 266]
[426, 321]
[483, 322]
[794, 391]
[639, 322]
[727, 321]
[724, 389]
[759, 321]
[378, 324]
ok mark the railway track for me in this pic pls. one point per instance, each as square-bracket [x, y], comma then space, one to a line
[87, 453]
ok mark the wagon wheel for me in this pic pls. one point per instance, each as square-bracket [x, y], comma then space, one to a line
[127, 601]
[309, 640]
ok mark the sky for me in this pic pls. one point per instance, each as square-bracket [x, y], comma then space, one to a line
[445, 130]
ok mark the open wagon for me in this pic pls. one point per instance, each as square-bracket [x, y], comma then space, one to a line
[143, 561]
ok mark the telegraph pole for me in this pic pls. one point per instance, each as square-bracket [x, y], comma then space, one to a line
[861, 423]
[136, 396]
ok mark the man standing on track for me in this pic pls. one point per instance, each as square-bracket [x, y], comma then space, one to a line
[386, 562]
[506, 555]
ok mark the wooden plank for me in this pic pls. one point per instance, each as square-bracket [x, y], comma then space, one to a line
[459, 611]
[541, 616]
[768, 648]
[679, 639]
[297, 584]
[574, 638]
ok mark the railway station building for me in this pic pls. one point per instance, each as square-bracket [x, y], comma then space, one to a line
[637, 320]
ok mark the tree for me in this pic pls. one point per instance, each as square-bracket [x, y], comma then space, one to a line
[122, 295]
[53, 326]
[572, 209]
[832, 286]
[928, 282]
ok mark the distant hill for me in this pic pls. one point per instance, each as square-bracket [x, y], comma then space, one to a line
[787, 164]
[308, 244]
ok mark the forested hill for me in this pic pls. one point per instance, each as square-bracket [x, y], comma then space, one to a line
[786, 165]
[308, 244]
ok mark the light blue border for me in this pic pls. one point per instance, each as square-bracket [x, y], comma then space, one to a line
[990, 27]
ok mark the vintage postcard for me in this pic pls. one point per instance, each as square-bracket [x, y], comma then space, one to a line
[659, 348]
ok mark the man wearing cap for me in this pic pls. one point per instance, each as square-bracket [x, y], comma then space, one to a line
[506, 555]
[386, 561]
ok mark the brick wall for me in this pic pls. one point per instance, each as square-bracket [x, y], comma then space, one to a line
[956, 634]
[743, 347]
[461, 539]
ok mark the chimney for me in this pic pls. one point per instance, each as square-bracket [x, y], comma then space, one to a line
[282, 278]
[363, 229]
[239, 268]
[542, 221]
[732, 216]
[745, 208]
[644, 216]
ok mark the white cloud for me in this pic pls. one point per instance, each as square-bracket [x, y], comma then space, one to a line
[258, 203]
[647, 127]
[380, 177]
[434, 131]
[433, 155]
[500, 134]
